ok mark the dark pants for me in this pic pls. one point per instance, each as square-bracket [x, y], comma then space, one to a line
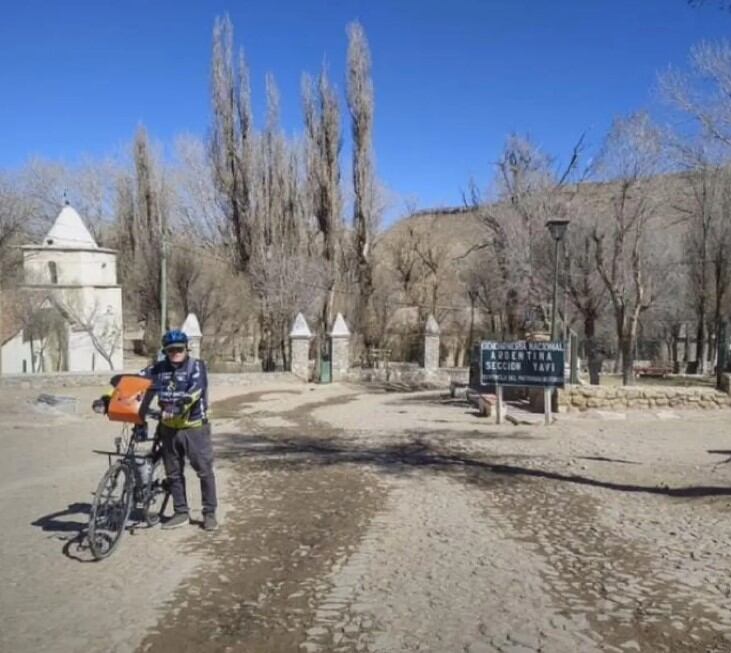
[196, 445]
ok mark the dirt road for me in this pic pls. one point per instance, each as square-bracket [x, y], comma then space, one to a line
[357, 520]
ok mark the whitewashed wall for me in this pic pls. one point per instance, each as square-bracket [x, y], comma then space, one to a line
[14, 352]
[73, 267]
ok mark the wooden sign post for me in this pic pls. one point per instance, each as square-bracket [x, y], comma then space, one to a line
[500, 407]
[531, 364]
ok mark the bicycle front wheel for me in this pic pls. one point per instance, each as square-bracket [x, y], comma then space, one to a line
[110, 510]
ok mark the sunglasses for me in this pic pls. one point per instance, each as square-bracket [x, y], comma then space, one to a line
[174, 350]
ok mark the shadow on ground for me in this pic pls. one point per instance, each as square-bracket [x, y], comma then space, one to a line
[71, 531]
[291, 451]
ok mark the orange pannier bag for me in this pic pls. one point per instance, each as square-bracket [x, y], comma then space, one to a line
[130, 399]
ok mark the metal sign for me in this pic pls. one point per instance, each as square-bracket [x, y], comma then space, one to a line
[522, 363]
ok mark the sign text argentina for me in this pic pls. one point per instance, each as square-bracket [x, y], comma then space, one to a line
[522, 363]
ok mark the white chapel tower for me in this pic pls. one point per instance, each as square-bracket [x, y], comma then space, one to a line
[79, 280]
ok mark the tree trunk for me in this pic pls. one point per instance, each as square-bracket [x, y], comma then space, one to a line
[700, 340]
[594, 359]
[627, 360]
[471, 335]
[283, 346]
[675, 331]
[32, 355]
[619, 325]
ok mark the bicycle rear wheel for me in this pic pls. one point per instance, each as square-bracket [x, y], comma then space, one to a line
[110, 510]
[158, 495]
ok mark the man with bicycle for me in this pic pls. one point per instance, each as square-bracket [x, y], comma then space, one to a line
[181, 384]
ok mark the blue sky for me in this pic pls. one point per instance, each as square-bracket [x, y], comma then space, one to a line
[452, 78]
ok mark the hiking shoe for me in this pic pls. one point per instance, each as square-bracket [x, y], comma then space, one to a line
[178, 519]
[209, 522]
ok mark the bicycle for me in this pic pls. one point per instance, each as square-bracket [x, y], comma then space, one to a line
[134, 479]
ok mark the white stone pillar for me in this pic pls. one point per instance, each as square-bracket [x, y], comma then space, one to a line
[192, 328]
[299, 346]
[431, 344]
[340, 350]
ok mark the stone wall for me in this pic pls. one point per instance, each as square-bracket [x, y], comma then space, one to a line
[580, 398]
[91, 379]
[726, 383]
[410, 375]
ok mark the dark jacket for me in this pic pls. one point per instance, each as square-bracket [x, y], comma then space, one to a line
[182, 391]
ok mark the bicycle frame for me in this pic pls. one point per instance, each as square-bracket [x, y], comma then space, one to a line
[109, 513]
[129, 458]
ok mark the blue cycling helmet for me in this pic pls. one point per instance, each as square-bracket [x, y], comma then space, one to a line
[174, 337]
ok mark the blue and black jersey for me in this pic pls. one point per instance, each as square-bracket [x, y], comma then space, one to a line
[181, 390]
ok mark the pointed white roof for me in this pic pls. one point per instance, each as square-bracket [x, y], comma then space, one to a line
[192, 327]
[69, 231]
[340, 328]
[432, 327]
[300, 328]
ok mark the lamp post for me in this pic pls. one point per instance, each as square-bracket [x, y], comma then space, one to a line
[558, 231]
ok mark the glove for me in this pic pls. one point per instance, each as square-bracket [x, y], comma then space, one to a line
[100, 405]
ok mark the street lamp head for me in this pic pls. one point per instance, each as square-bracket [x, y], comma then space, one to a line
[557, 228]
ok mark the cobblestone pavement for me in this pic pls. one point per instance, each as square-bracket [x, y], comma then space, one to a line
[380, 522]
[442, 543]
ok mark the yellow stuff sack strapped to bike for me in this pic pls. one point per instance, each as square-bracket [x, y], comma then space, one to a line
[130, 399]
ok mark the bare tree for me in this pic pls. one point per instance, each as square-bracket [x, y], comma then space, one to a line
[323, 142]
[41, 325]
[530, 189]
[232, 147]
[405, 261]
[586, 289]
[704, 92]
[196, 207]
[630, 157]
[361, 106]
[104, 329]
[282, 272]
[434, 257]
[92, 187]
[702, 206]
[149, 226]
[204, 282]
[89, 186]
[142, 207]
[15, 214]
[720, 255]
